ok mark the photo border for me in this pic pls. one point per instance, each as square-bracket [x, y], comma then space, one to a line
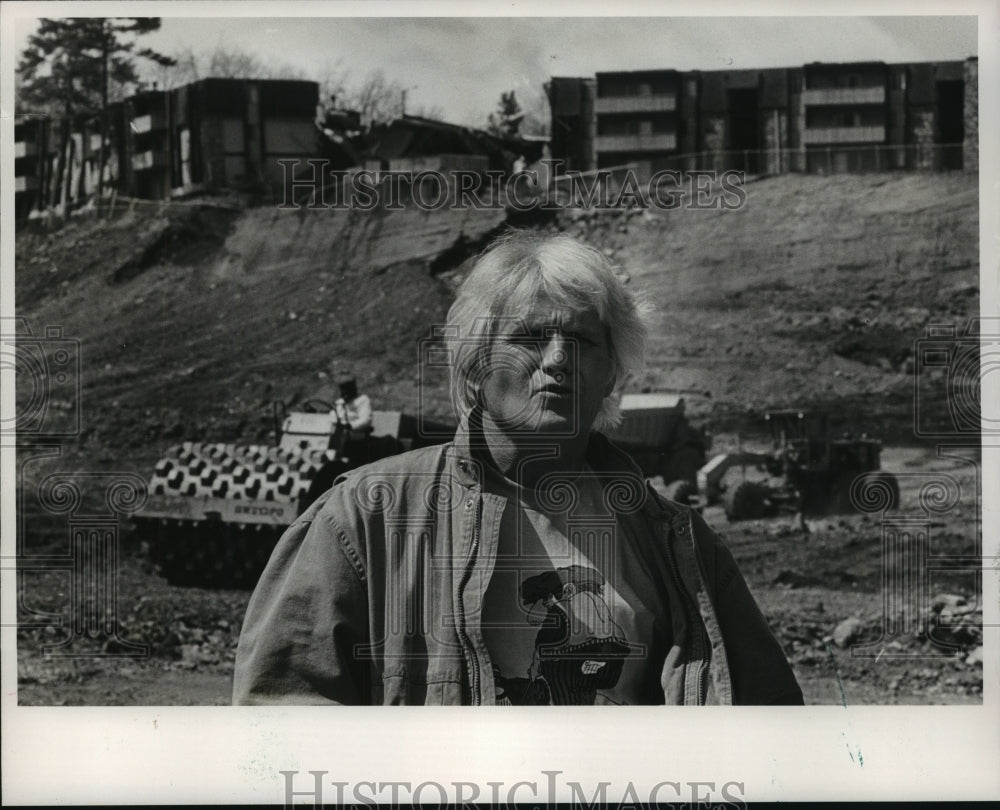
[235, 754]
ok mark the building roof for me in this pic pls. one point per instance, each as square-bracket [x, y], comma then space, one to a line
[413, 136]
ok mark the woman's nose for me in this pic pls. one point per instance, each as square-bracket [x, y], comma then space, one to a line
[555, 353]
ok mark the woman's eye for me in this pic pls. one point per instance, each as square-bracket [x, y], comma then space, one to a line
[522, 343]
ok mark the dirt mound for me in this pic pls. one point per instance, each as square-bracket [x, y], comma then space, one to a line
[116, 247]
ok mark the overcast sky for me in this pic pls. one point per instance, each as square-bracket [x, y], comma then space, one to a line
[461, 64]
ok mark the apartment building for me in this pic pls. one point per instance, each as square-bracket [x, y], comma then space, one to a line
[210, 135]
[820, 117]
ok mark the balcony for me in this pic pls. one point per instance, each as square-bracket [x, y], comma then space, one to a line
[95, 142]
[635, 104]
[636, 143]
[25, 184]
[149, 160]
[837, 135]
[844, 95]
[147, 123]
[24, 149]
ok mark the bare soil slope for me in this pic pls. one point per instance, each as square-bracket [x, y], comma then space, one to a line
[192, 319]
[813, 293]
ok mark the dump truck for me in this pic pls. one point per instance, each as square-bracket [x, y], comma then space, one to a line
[807, 471]
[657, 434]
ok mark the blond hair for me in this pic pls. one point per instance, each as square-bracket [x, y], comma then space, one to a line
[518, 269]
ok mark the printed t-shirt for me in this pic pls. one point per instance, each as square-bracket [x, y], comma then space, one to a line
[571, 614]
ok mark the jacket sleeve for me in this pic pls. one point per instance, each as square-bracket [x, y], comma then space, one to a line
[305, 620]
[758, 667]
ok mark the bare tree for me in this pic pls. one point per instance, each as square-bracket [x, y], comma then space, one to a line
[223, 62]
[333, 83]
[233, 63]
[375, 97]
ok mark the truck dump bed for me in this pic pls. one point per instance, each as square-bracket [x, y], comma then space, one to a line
[649, 419]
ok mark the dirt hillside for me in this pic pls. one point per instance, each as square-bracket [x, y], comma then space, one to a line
[812, 294]
[192, 319]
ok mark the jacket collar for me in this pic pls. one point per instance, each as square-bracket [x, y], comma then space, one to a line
[603, 455]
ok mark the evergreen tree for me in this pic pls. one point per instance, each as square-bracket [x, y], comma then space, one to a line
[71, 65]
[506, 121]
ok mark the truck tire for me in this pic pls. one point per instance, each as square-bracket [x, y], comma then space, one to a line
[748, 501]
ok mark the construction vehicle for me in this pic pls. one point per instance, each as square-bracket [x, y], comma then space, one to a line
[656, 433]
[806, 472]
[215, 511]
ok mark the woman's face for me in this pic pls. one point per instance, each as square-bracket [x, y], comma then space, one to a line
[548, 371]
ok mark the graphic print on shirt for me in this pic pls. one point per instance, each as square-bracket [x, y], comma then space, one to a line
[571, 614]
[578, 649]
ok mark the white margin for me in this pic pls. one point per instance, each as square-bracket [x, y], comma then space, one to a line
[179, 755]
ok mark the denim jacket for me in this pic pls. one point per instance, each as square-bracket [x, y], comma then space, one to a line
[374, 595]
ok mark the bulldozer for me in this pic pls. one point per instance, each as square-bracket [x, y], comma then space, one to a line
[215, 511]
[807, 471]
